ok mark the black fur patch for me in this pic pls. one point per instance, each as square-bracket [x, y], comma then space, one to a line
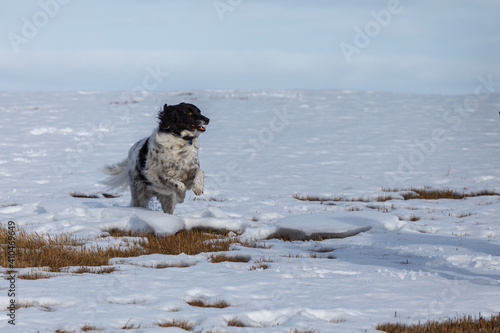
[141, 161]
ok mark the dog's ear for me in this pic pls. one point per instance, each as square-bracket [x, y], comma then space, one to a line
[169, 114]
[174, 116]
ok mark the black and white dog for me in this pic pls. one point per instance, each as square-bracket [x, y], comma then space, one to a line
[166, 163]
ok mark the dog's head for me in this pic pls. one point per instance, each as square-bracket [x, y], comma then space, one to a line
[184, 120]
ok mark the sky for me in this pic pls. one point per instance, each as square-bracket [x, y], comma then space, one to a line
[438, 47]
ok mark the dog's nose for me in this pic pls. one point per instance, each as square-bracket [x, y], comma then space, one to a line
[207, 120]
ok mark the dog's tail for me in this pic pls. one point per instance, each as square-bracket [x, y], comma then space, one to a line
[118, 176]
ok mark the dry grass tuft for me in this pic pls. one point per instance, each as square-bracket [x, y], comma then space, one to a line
[435, 194]
[183, 324]
[130, 326]
[221, 257]
[409, 193]
[322, 200]
[235, 322]
[258, 267]
[88, 328]
[256, 245]
[383, 198]
[95, 270]
[65, 250]
[457, 325]
[204, 303]
[34, 275]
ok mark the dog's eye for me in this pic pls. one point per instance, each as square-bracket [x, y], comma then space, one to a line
[190, 113]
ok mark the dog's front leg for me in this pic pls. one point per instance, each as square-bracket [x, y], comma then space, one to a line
[169, 186]
[198, 182]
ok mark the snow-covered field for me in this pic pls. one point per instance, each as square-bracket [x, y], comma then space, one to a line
[400, 261]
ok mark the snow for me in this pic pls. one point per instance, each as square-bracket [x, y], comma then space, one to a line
[379, 261]
[333, 225]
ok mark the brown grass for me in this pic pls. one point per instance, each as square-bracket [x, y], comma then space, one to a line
[129, 326]
[457, 325]
[183, 324]
[434, 194]
[87, 328]
[94, 270]
[235, 322]
[258, 267]
[34, 275]
[65, 250]
[221, 257]
[256, 245]
[383, 198]
[410, 193]
[328, 200]
[204, 303]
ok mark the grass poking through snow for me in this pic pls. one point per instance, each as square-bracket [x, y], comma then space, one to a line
[406, 194]
[183, 324]
[66, 250]
[435, 194]
[204, 303]
[457, 325]
[235, 322]
[221, 257]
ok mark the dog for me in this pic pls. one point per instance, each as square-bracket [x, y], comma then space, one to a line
[165, 164]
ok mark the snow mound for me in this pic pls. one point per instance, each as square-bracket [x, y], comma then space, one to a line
[159, 260]
[216, 219]
[139, 219]
[330, 225]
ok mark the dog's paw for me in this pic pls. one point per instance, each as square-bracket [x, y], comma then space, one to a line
[198, 191]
